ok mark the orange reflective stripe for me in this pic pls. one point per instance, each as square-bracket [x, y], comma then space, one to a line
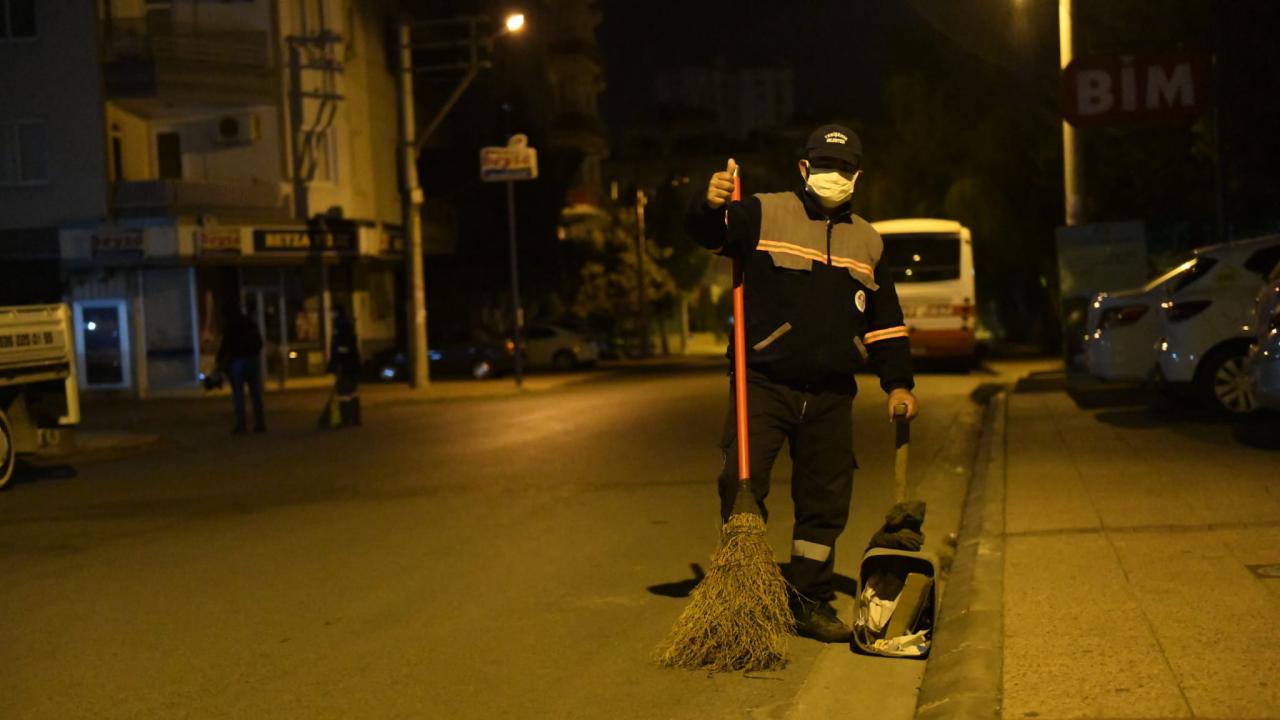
[775, 246]
[810, 254]
[885, 334]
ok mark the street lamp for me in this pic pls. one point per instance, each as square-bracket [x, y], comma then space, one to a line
[413, 138]
[1072, 182]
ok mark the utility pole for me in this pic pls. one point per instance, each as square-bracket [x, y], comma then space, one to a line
[517, 312]
[410, 217]
[642, 291]
[1073, 184]
[412, 139]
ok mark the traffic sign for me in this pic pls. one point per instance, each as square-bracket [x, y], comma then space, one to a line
[515, 161]
[1108, 90]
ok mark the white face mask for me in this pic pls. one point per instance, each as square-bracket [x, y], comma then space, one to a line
[832, 188]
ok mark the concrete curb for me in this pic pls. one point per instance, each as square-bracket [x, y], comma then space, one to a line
[963, 675]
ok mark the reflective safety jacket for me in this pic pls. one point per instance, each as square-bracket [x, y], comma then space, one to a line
[819, 304]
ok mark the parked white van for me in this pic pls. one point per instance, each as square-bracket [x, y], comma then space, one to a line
[932, 264]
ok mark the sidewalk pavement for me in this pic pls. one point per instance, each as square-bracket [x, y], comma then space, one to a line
[1123, 563]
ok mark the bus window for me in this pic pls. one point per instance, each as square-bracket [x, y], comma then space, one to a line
[922, 257]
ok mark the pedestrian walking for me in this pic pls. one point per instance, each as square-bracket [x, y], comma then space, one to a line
[239, 359]
[819, 306]
[344, 363]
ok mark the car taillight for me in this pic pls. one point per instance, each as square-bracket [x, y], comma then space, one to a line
[1179, 311]
[1119, 316]
[510, 346]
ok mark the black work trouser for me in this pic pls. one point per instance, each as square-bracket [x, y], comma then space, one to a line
[818, 428]
[346, 388]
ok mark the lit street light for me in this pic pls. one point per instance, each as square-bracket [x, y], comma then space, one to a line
[412, 138]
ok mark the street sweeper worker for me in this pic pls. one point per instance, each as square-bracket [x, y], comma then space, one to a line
[820, 305]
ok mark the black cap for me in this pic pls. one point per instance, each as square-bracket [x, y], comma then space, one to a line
[834, 141]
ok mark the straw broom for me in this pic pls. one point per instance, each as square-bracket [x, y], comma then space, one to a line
[738, 617]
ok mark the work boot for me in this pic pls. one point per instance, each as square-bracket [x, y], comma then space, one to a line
[818, 620]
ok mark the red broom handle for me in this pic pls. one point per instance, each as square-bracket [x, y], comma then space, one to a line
[740, 352]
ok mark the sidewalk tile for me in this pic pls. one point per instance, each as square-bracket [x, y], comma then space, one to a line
[1076, 643]
[1044, 490]
[1127, 588]
[1218, 625]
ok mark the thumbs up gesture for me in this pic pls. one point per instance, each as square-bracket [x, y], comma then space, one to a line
[720, 186]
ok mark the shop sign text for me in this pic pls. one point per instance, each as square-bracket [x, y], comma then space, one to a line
[218, 241]
[126, 244]
[302, 241]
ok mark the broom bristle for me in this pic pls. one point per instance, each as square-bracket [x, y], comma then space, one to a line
[737, 617]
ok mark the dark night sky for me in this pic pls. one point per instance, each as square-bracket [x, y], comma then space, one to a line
[839, 49]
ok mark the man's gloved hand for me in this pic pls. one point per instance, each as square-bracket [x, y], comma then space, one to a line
[720, 186]
[903, 396]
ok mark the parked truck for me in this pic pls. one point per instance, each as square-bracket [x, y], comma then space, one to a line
[39, 390]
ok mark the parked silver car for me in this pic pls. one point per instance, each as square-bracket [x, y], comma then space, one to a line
[555, 346]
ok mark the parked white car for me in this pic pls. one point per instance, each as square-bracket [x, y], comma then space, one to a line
[1264, 356]
[1123, 327]
[553, 346]
[1207, 325]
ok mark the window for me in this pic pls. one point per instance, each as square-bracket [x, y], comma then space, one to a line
[17, 19]
[923, 257]
[23, 158]
[1191, 273]
[1263, 261]
[169, 155]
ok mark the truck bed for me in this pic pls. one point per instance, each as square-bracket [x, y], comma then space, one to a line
[35, 344]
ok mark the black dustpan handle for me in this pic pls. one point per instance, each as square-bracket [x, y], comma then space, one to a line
[901, 444]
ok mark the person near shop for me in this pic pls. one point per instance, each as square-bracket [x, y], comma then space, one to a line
[820, 305]
[239, 358]
[344, 363]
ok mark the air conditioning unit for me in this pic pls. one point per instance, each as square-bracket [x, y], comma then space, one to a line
[238, 129]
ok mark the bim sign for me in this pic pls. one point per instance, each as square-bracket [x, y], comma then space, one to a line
[1106, 90]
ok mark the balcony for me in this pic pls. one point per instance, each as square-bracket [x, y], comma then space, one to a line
[148, 66]
[166, 198]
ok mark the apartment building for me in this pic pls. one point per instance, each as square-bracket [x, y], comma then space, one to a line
[176, 156]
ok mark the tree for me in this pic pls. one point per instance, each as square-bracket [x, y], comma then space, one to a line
[608, 279]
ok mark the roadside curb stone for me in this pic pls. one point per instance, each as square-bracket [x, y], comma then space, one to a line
[963, 674]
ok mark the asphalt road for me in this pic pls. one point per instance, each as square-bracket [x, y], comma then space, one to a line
[509, 557]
